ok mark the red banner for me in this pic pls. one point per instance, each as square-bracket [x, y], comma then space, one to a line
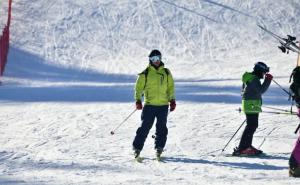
[4, 41]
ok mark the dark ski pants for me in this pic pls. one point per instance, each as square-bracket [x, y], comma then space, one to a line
[295, 156]
[149, 113]
[247, 137]
[293, 163]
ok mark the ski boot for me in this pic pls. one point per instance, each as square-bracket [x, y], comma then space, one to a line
[250, 151]
[294, 172]
[158, 154]
[137, 155]
[294, 167]
[257, 151]
[236, 151]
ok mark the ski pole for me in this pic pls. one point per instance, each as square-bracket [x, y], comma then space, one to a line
[270, 112]
[284, 110]
[266, 137]
[281, 87]
[273, 112]
[233, 135]
[297, 129]
[113, 131]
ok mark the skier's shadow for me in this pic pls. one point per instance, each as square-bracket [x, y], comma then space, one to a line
[242, 165]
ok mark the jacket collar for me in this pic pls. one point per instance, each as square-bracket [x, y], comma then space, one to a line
[157, 68]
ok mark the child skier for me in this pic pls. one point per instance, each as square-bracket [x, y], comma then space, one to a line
[251, 105]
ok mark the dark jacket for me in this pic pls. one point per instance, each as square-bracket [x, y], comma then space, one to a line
[252, 92]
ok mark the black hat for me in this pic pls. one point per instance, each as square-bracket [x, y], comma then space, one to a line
[155, 52]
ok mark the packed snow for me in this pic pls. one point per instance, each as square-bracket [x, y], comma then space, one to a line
[70, 76]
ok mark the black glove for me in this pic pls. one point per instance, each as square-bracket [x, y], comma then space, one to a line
[139, 105]
[172, 105]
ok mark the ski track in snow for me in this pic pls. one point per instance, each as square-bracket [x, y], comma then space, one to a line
[70, 77]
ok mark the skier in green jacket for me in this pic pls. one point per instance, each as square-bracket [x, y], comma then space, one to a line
[156, 84]
[251, 105]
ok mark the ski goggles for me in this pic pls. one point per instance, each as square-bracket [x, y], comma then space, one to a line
[155, 58]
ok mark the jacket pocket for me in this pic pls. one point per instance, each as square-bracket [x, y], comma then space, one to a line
[251, 106]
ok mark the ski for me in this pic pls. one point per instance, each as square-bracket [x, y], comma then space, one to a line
[261, 155]
[142, 159]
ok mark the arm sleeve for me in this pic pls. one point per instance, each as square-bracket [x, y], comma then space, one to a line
[139, 87]
[259, 88]
[171, 87]
[265, 85]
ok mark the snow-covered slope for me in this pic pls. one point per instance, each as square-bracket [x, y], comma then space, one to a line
[116, 36]
[70, 76]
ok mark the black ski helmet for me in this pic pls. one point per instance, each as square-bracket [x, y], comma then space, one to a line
[155, 52]
[260, 67]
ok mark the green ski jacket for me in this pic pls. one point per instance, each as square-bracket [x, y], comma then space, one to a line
[157, 86]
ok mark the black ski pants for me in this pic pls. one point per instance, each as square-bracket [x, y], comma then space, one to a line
[247, 137]
[149, 113]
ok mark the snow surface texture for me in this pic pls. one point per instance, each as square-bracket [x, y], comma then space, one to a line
[70, 76]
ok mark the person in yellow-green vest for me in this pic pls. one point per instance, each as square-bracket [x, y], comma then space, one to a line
[156, 86]
[251, 105]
